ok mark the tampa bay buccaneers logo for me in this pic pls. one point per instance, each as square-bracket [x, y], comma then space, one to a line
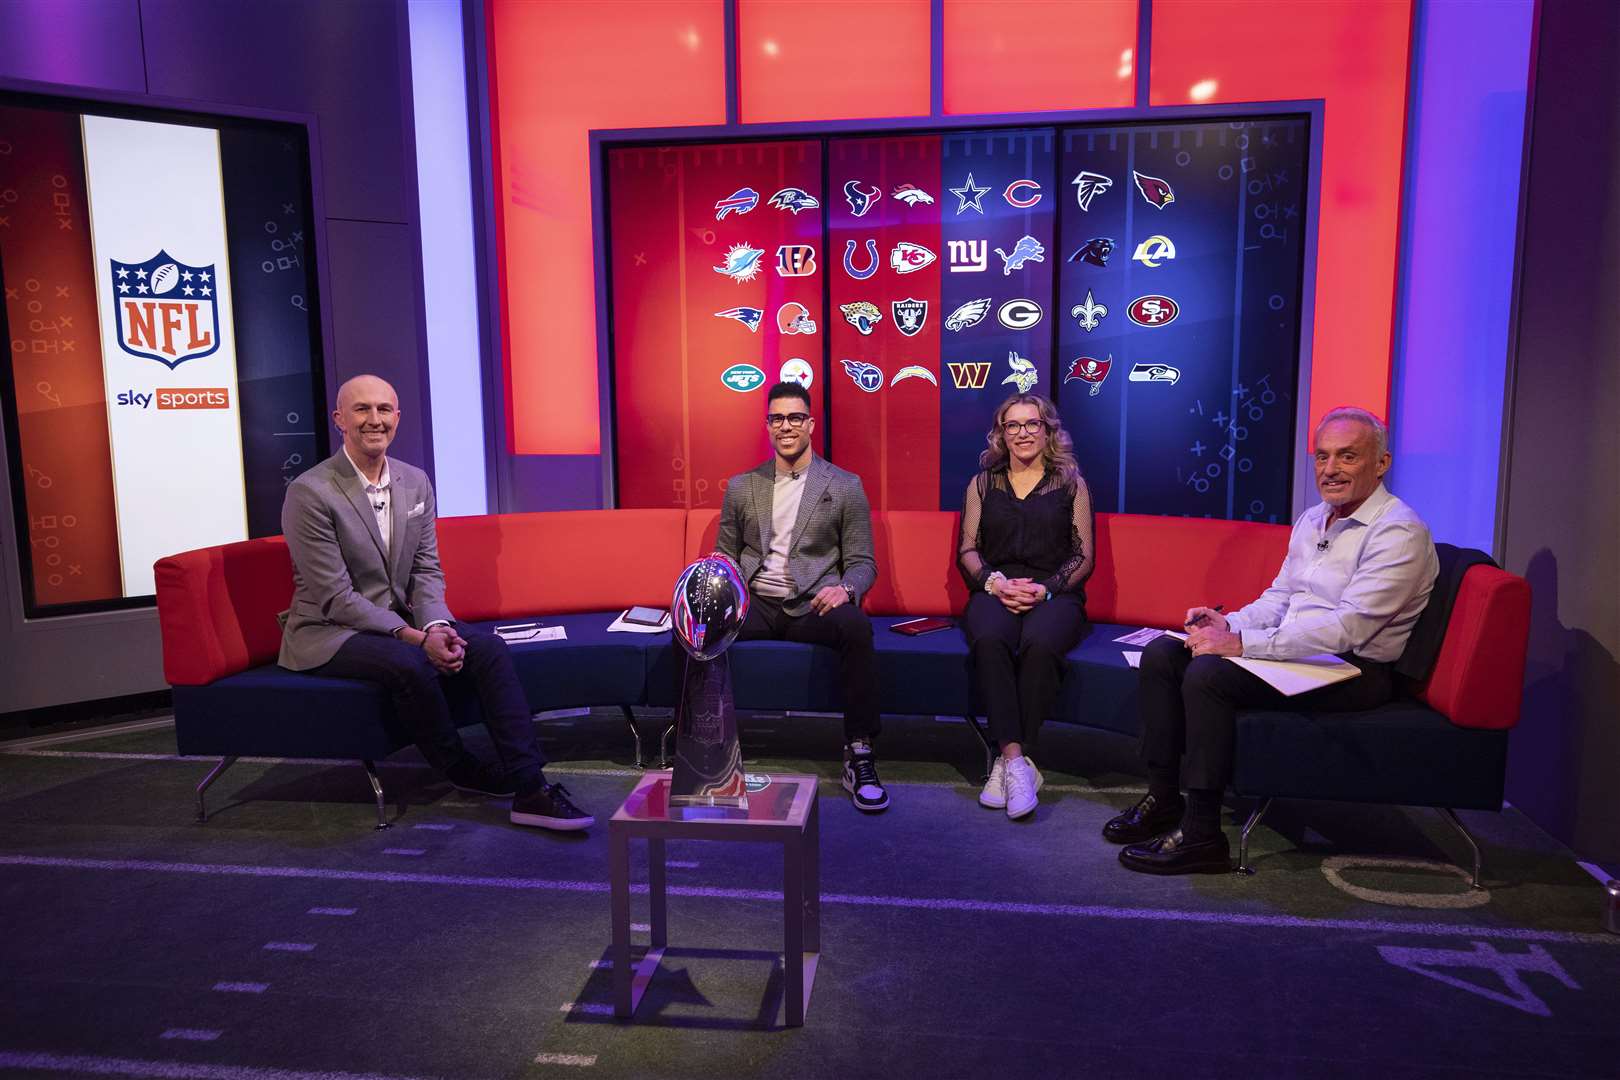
[1154, 190]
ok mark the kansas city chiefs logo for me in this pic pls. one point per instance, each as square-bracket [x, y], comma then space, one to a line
[908, 258]
[1154, 190]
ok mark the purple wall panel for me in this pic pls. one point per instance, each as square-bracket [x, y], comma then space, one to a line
[88, 43]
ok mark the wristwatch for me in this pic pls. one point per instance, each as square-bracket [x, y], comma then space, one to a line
[849, 591]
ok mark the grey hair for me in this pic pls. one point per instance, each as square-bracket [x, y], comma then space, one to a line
[1380, 430]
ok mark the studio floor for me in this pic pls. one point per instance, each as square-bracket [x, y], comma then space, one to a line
[286, 938]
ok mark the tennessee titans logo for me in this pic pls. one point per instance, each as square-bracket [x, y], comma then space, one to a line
[861, 201]
[1154, 190]
[741, 201]
[794, 199]
[742, 263]
[1028, 249]
[910, 316]
[912, 195]
[1095, 251]
[748, 316]
[165, 309]
[871, 260]
[868, 377]
[862, 315]
[1089, 185]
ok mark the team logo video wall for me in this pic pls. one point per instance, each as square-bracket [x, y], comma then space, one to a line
[159, 315]
[1146, 277]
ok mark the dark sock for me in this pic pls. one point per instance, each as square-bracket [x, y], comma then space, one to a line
[1164, 784]
[529, 783]
[1202, 819]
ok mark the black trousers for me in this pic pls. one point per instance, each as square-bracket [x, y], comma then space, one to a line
[845, 628]
[1188, 706]
[417, 690]
[1017, 660]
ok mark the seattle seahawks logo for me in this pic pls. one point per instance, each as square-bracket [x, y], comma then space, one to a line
[862, 315]
[909, 317]
[1089, 185]
[794, 199]
[741, 201]
[969, 314]
[868, 377]
[912, 195]
[871, 260]
[861, 201]
[1154, 190]
[1155, 373]
[748, 316]
[742, 263]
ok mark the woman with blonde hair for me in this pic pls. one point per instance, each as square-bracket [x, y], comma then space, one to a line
[1026, 551]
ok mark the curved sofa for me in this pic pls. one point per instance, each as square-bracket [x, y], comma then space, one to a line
[1445, 747]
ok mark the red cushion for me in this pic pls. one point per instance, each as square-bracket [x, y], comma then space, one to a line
[1478, 678]
[217, 608]
[498, 566]
[1151, 569]
[916, 559]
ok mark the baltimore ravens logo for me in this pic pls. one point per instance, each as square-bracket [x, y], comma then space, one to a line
[868, 377]
[910, 316]
[794, 199]
[742, 263]
[1095, 251]
[912, 195]
[1089, 185]
[1154, 190]
[1028, 249]
[862, 315]
[741, 201]
[861, 201]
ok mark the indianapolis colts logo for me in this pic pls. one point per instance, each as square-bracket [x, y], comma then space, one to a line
[871, 260]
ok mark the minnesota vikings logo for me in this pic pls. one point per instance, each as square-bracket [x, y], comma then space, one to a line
[748, 316]
[862, 315]
[794, 199]
[871, 260]
[868, 377]
[1024, 375]
[1028, 249]
[1095, 251]
[1154, 190]
[742, 263]
[912, 195]
[1089, 313]
[741, 201]
[1090, 370]
[861, 201]
[969, 314]
[1089, 185]
[909, 317]
[908, 258]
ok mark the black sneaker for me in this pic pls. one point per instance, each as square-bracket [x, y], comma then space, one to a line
[547, 806]
[476, 778]
[861, 778]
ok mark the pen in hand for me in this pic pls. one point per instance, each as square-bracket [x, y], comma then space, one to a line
[1202, 619]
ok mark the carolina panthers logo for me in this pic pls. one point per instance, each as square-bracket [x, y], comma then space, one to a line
[868, 377]
[794, 199]
[861, 201]
[742, 263]
[912, 195]
[741, 201]
[1089, 185]
[1154, 190]
[871, 260]
[1095, 251]
[1028, 249]
[969, 314]
[862, 315]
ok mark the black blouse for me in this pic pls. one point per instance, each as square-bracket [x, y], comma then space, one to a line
[1046, 535]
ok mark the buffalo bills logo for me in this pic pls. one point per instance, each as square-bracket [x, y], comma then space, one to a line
[166, 310]
[794, 199]
[740, 201]
[1154, 190]
[861, 201]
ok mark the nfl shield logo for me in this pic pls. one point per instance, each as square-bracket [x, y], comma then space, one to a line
[909, 316]
[166, 309]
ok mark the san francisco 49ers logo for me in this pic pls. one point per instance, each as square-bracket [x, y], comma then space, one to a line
[165, 309]
[1153, 311]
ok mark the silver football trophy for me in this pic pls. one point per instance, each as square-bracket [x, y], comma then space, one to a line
[709, 607]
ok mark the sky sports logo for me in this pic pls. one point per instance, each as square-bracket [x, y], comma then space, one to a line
[179, 397]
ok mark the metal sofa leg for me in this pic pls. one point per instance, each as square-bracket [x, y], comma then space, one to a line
[376, 789]
[1259, 812]
[635, 734]
[1456, 823]
[213, 774]
[984, 740]
[663, 745]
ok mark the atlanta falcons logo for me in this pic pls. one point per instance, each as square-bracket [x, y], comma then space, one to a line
[1154, 190]
[1089, 185]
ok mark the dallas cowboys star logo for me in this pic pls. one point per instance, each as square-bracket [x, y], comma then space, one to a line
[969, 196]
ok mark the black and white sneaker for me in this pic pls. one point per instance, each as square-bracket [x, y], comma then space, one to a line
[547, 807]
[861, 778]
[475, 778]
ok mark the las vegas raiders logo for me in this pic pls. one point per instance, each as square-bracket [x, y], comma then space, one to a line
[910, 316]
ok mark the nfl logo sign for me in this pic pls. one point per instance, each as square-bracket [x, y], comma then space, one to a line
[166, 309]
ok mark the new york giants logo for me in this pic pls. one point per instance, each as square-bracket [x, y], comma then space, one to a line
[165, 309]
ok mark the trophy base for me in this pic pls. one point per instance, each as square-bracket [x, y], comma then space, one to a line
[701, 811]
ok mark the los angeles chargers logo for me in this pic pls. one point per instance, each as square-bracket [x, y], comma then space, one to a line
[742, 263]
[1089, 185]
[868, 377]
[1028, 249]
[862, 315]
[1022, 194]
[1154, 190]
[748, 316]
[740, 201]
[912, 195]
[861, 201]
[794, 199]
[871, 260]
[912, 371]
[166, 310]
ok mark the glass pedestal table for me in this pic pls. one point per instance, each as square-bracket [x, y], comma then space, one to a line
[783, 812]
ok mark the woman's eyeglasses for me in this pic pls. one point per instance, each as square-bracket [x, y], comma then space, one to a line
[1029, 427]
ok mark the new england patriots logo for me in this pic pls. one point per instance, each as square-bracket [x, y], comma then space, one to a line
[165, 309]
[748, 316]
[1154, 190]
[861, 201]
[868, 377]
[741, 201]
[1089, 185]
[794, 199]
[1028, 249]
[1095, 251]
[742, 263]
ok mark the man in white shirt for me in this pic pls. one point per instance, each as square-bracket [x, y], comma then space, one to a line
[1359, 570]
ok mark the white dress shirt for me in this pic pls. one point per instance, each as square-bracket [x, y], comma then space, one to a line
[379, 495]
[1357, 586]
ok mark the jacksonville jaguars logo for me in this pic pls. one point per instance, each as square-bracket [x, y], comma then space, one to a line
[862, 315]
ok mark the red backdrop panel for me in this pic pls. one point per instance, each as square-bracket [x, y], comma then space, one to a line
[557, 70]
[1028, 55]
[832, 59]
[1353, 55]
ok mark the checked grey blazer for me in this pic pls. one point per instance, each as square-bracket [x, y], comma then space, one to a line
[341, 583]
[832, 536]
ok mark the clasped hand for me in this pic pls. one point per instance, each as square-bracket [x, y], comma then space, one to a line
[1018, 595]
[446, 649]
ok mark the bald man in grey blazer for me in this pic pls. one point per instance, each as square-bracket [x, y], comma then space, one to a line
[801, 530]
[368, 603]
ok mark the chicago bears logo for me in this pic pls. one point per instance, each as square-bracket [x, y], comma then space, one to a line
[740, 201]
[1154, 190]
[868, 377]
[1028, 249]
[795, 260]
[794, 199]
[909, 317]
[1090, 370]
[794, 318]
[742, 263]
[1022, 194]
[871, 260]
[862, 315]
[912, 195]
[1155, 373]
[1153, 311]
[1094, 251]
[908, 258]
[748, 316]
[1154, 250]
[165, 309]
[969, 314]
[1089, 185]
[861, 201]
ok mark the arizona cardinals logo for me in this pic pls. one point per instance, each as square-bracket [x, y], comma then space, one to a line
[912, 195]
[871, 260]
[1154, 190]
[1095, 251]
[1089, 185]
[742, 200]
[861, 201]
[1090, 370]
[794, 199]
[1022, 194]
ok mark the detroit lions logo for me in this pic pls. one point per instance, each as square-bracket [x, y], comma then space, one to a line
[794, 199]
[871, 260]
[862, 315]
[740, 201]
[861, 201]
[1154, 190]
[1028, 249]
[742, 263]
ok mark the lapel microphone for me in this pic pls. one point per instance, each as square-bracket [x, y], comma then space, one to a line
[1321, 545]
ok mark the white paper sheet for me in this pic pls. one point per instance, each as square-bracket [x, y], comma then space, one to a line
[1132, 658]
[1299, 676]
[1140, 637]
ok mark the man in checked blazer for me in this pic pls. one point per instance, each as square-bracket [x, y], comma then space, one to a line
[368, 603]
[801, 530]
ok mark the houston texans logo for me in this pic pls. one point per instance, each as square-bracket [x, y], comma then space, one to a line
[861, 201]
[871, 260]
[1154, 190]
[794, 199]
[741, 201]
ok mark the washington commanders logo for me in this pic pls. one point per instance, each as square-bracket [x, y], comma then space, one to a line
[166, 309]
[969, 376]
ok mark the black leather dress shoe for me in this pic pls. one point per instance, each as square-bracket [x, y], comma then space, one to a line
[1173, 854]
[1147, 819]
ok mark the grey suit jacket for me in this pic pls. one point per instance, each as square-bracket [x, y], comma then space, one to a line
[832, 536]
[342, 585]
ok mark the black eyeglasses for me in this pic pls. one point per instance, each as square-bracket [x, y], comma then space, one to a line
[793, 420]
[1028, 427]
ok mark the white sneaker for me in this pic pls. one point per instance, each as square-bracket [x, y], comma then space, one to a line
[994, 794]
[1023, 780]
